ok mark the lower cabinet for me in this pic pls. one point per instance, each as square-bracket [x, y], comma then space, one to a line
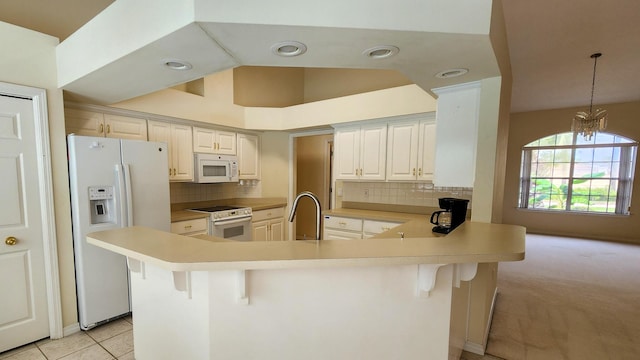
[344, 228]
[268, 225]
[371, 228]
[190, 227]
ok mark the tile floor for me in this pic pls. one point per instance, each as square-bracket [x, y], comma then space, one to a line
[113, 340]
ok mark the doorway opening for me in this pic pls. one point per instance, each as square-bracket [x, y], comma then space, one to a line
[313, 158]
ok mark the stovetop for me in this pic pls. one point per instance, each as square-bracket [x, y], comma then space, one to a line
[226, 212]
[217, 208]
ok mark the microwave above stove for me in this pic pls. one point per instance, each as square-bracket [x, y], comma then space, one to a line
[212, 168]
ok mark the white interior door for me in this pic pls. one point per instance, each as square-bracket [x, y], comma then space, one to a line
[24, 311]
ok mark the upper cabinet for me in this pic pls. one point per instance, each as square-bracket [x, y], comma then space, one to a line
[411, 149]
[214, 141]
[360, 152]
[179, 141]
[249, 156]
[457, 134]
[89, 123]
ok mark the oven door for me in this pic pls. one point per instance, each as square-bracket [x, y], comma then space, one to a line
[238, 229]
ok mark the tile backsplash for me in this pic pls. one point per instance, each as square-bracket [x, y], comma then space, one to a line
[401, 193]
[190, 192]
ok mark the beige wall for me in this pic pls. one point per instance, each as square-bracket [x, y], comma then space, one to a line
[529, 126]
[323, 84]
[215, 107]
[265, 86]
[274, 158]
[29, 58]
[275, 164]
[268, 86]
[498, 34]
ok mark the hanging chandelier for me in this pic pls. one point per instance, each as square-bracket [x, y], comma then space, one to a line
[588, 123]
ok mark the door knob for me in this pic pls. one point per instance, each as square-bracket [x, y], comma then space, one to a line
[10, 240]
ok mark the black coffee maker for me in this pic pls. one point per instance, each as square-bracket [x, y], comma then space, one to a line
[454, 214]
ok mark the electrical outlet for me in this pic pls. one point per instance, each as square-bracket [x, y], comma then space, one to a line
[366, 192]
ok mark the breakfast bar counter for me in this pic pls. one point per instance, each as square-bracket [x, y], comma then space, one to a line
[389, 297]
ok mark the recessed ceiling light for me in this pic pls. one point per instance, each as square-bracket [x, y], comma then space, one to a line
[381, 52]
[450, 73]
[177, 64]
[289, 48]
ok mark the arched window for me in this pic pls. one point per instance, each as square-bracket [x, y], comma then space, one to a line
[568, 173]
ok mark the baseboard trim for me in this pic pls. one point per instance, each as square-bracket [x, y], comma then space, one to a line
[473, 348]
[481, 348]
[71, 329]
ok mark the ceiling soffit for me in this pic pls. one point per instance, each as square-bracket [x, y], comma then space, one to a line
[132, 63]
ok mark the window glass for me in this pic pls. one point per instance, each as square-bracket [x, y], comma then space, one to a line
[564, 172]
[604, 138]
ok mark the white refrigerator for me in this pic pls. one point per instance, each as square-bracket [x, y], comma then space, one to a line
[114, 183]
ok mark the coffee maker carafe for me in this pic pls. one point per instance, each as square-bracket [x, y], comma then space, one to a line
[453, 214]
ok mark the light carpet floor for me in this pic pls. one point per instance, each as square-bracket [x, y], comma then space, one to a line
[569, 299]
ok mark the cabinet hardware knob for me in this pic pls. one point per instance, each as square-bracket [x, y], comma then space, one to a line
[187, 227]
[101, 128]
[11, 241]
[108, 128]
[419, 171]
[414, 171]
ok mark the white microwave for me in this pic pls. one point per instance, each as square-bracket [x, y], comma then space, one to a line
[212, 168]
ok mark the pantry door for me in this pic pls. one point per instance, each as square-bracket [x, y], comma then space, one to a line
[24, 315]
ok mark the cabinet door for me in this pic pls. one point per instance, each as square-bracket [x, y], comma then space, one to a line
[347, 153]
[249, 156]
[161, 132]
[182, 153]
[402, 151]
[457, 126]
[123, 127]
[189, 227]
[277, 229]
[330, 234]
[373, 152]
[225, 143]
[204, 140]
[427, 151]
[374, 227]
[85, 123]
[260, 230]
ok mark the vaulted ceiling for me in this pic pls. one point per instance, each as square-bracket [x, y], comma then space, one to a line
[549, 44]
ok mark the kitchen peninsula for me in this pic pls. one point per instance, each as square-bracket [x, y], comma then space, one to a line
[390, 297]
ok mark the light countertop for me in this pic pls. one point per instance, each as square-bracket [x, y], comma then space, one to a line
[470, 242]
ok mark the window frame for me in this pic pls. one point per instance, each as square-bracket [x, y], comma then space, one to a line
[628, 150]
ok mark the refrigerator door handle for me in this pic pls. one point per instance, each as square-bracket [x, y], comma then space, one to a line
[127, 187]
[121, 195]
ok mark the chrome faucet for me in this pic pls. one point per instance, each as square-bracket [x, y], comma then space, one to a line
[318, 210]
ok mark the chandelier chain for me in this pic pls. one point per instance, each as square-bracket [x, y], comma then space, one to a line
[593, 81]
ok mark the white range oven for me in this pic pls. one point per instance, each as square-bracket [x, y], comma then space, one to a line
[229, 222]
